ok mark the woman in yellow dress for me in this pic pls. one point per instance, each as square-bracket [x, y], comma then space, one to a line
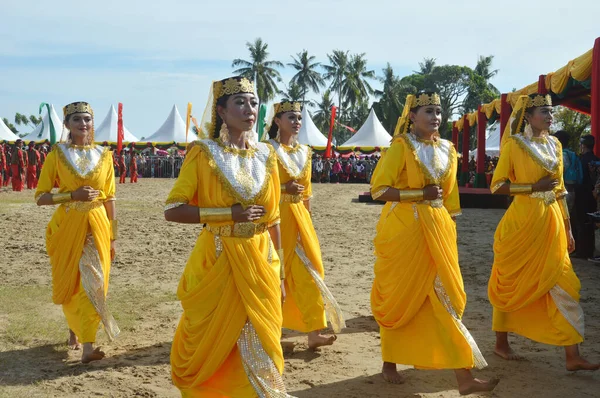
[533, 288]
[308, 298]
[418, 296]
[227, 343]
[80, 236]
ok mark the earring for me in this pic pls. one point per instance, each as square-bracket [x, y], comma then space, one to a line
[528, 131]
[224, 133]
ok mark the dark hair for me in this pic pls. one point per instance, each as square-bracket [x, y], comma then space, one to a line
[274, 127]
[222, 101]
[587, 141]
[563, 137]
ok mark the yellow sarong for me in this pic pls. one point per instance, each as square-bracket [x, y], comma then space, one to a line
[416, 251]
[227, 282]
[530, 257]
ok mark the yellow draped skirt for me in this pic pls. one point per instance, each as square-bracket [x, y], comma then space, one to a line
[530, 258]
[414, 244]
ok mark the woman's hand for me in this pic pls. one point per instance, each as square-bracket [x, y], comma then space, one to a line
[293, 188]
[249, 214]
[283, 295]
[85, 194]
[113, 253]
[570, 241]
[432, 192]
[545, 184]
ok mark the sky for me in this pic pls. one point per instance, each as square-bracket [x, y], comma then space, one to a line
[151, 55]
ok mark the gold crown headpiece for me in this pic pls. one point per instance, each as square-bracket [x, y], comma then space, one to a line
[288, 106]
[233, 85]
[539, 100]
[77, 107]
[425, 99]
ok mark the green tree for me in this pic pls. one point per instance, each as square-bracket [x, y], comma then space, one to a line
[481, 91]
[10, 126]
[574, 123]
[293, 92]
[355, 86]
[391, 98]
[322, 116]
[336, 72]
[426, 67]
[260, 69]
[307, 77]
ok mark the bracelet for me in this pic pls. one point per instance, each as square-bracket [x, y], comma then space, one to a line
[64, 197]
[410, 195]
[114, 229]
[516, 189]
[562, 203]
[281, 264]
[283, 188]
[214, 214]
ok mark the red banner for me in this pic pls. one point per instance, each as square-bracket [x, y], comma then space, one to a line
[330, 138]
[120, 133]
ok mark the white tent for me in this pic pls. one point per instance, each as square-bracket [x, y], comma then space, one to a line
[371, 134]
[42, 131]
[107, 130]
[6, 134]
[492, 141]
[172, 130]
[309, 134]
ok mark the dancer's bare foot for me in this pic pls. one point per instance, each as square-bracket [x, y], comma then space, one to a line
[476, 385]
[316, 340]
[390, 374]
[73, 343]
[91, 354]
[576, 362]
[504, 350]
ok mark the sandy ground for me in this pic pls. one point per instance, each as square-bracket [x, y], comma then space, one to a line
[151, 255]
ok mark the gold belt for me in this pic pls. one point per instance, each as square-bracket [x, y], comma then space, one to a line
[549, 197]
[238, 230]
[289, 198]
[83, 206]
[436, 203]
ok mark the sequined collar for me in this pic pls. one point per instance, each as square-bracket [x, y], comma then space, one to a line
[543, 150]
[245, 173]
[433, 157]
[293, 159]
[82, 161]
[248, 152]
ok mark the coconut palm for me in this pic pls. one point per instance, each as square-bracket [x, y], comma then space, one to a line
[260, 69]
[336, 72]
[391, 97]
[307, 77]
[426, 67]
[322, 116]
[355, 86]
[294, 92]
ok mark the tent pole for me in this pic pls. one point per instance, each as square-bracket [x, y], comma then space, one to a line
[464, 175]
[595, 94]
[480, 179]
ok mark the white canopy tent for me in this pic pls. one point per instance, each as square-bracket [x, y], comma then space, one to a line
[42, 131]
[309, 134]
[371, 134]
[6, 134]
[172, 130]
[492, 141]
[107, 130]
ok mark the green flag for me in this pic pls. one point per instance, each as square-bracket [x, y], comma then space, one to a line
[52, 129]
[262, 114]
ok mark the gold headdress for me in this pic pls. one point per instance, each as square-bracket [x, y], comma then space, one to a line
[516, 123]
[287, 106]
[411, 103]
[76, 107]
[219, 89]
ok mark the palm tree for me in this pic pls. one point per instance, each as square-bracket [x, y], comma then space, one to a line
[391, 98]
[336, 72]
[294, 92]
[260, 69]
[322, 116]
[355, 87]
[426, 67]
[307, 77]
[483, 69]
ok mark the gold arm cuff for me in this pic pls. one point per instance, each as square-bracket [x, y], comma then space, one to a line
[215, 214]
[411, 195]
[64, 197]
[114, 229]
[283, 188]
[562, 203]
[281, 264]
[516, 189]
